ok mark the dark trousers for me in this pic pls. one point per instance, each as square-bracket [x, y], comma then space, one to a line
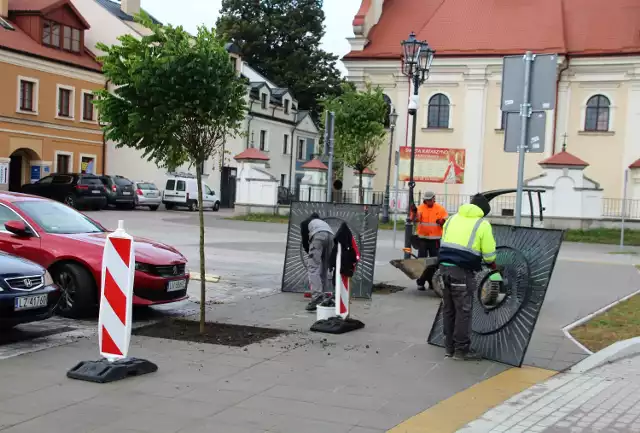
[457, 303]
[428, 248]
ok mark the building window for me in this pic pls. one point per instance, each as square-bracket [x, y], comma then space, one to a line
[263, 140]
[286, 106]
[283, 179]
[597, 115]
[88, 164]
[285, 144]
[63, 163]
[438, 111]
[87, 107]
[51, 36]
[65, 102]
[27, 95]
[301, 149]
[263, 97]
[503, 121]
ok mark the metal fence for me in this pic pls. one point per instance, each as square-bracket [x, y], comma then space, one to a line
[503, 205]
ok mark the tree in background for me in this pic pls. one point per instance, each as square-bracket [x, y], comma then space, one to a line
[359, 127]
[177, 98]
[281, 40]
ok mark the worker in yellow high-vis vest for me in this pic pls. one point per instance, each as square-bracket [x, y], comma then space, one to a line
[467, 242]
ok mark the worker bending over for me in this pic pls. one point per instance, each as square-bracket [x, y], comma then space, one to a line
[317, 241]
[467, 242]
[430, 218]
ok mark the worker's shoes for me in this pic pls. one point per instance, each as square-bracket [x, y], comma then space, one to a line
[421, 286]
[448, 353]
[470, 355]
[313, 305]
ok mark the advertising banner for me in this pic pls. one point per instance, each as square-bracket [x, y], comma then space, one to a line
[433, 164]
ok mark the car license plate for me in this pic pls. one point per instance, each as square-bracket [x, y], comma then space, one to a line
[96, 191]
[126, 193]
[30, 302]
[176, 285]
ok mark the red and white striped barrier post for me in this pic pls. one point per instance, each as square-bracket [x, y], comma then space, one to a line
[116, 295]
[342, 297]
[115, 317]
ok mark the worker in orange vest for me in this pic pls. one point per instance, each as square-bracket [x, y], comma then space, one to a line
[430, 219]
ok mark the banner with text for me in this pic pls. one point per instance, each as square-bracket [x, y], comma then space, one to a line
[432, 164]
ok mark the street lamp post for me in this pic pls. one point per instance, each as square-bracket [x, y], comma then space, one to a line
[417, 59]
[393, 117]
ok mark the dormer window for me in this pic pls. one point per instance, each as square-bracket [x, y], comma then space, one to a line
[263, 99]
[286, 106]
[59, 36]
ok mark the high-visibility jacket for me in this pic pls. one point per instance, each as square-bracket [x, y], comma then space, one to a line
[427, 221]
[468, 239]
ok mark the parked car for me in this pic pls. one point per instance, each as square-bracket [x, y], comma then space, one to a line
[183, 192]
[147, 194]
[70, 246]
[27, 292]
[120, 191]
[73, 189]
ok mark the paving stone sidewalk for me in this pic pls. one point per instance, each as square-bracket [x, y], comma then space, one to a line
[605, 400]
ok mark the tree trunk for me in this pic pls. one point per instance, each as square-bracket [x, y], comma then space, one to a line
[360, 189]
[203, 287]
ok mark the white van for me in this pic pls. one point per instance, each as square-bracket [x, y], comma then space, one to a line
[182, 191]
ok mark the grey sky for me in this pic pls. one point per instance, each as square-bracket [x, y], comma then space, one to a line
[191, 13]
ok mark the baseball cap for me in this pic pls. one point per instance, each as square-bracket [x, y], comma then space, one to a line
[429, 195]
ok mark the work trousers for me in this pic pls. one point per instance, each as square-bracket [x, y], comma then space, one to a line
[457, 300]
[428, 248]
[319, 262]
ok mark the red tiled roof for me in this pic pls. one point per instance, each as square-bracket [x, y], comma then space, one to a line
[251, 153]
[503, 27]
[564, 158]
[44, 7]
[366, 171]
[314, 164]
[17, 40]
[636, 164]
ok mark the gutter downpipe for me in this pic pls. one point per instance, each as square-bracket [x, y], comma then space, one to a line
[292, 143]
[104, 140]
[250, 118]
[555, 114]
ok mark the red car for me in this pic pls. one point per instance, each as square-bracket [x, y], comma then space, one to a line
[70, 246]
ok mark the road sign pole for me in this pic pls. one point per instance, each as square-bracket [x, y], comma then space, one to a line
[329, 125]
[525, 113]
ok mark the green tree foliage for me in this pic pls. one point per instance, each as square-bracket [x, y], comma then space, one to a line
[177, 98]
[281, 40]
[359, 127]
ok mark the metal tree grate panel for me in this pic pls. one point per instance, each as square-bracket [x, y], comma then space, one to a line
[527, 256]
[362, 220]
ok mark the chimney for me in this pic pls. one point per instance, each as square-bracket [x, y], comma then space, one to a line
[4, 8]
[129, 7]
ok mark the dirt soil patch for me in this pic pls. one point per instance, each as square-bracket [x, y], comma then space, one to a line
[619, 323]
[215, 333]
[386, 289]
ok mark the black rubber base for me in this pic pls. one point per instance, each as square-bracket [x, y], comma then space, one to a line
[103, 371]
[337, 325]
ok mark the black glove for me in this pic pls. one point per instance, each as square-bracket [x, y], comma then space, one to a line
[441, 222]
[493, 266]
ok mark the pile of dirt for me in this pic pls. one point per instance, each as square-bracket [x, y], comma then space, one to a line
[215, 333]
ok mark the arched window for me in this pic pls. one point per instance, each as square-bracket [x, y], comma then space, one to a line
[597, 115]
[438, 115]
[387, 101]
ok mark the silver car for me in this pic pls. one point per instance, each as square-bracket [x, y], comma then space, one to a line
[147, 194]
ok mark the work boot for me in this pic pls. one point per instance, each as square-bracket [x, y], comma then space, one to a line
[313, 305]
[469, 355]
[448, 353]
[421, 286]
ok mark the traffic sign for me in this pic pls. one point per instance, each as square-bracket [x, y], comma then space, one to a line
[543, 82]
[535, 133]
